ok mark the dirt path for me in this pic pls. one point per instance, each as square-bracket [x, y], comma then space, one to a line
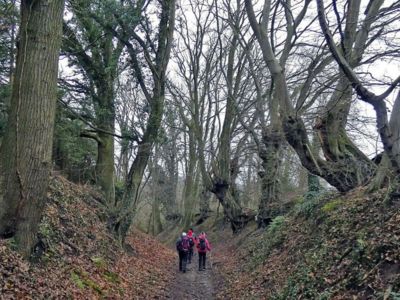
[193, 284]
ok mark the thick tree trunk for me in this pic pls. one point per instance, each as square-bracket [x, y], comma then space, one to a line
[383, 174]
[99, 62]
[27, 146]
[105, 171]
[105, 120]
[388, 171]
[344, 173]
[387, 131]
[223, 185]
[270, 183]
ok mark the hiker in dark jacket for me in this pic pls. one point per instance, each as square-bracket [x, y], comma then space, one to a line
[203, 246]
[183, 247]
[192, 239]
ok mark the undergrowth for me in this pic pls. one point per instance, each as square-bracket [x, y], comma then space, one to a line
[329, 246]
[272, 238]
[303, 283]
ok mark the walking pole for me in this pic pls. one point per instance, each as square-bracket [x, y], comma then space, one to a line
[211, 264]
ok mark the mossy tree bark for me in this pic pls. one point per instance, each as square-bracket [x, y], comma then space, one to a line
[269, 148]
[270, 155]
[27, 145]
[205, 196]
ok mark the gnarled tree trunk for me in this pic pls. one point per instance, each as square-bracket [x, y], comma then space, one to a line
[335, 143]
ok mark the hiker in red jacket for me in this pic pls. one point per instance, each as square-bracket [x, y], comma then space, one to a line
[192, 239]
[203, 246]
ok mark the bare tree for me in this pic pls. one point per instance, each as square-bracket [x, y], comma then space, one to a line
[215, 76]
[195, 55]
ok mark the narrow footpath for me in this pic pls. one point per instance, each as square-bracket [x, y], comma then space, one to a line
[194, 284]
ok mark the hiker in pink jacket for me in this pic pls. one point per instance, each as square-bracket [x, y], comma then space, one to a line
[203, 246]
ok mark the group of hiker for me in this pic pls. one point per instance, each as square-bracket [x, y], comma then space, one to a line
[185, 246]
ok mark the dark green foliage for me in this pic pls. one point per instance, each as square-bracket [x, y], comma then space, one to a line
[73, 155]
[119, 189]
[307, 206]
[302, 283]
[310, 204]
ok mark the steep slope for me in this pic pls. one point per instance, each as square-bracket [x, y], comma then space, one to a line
[77, 258]
[332, 247]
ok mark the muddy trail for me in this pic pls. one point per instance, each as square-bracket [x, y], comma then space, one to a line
[194, 284]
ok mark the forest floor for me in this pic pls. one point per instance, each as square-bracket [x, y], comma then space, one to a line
[193, 284]
[78, 259]
[330, 247]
